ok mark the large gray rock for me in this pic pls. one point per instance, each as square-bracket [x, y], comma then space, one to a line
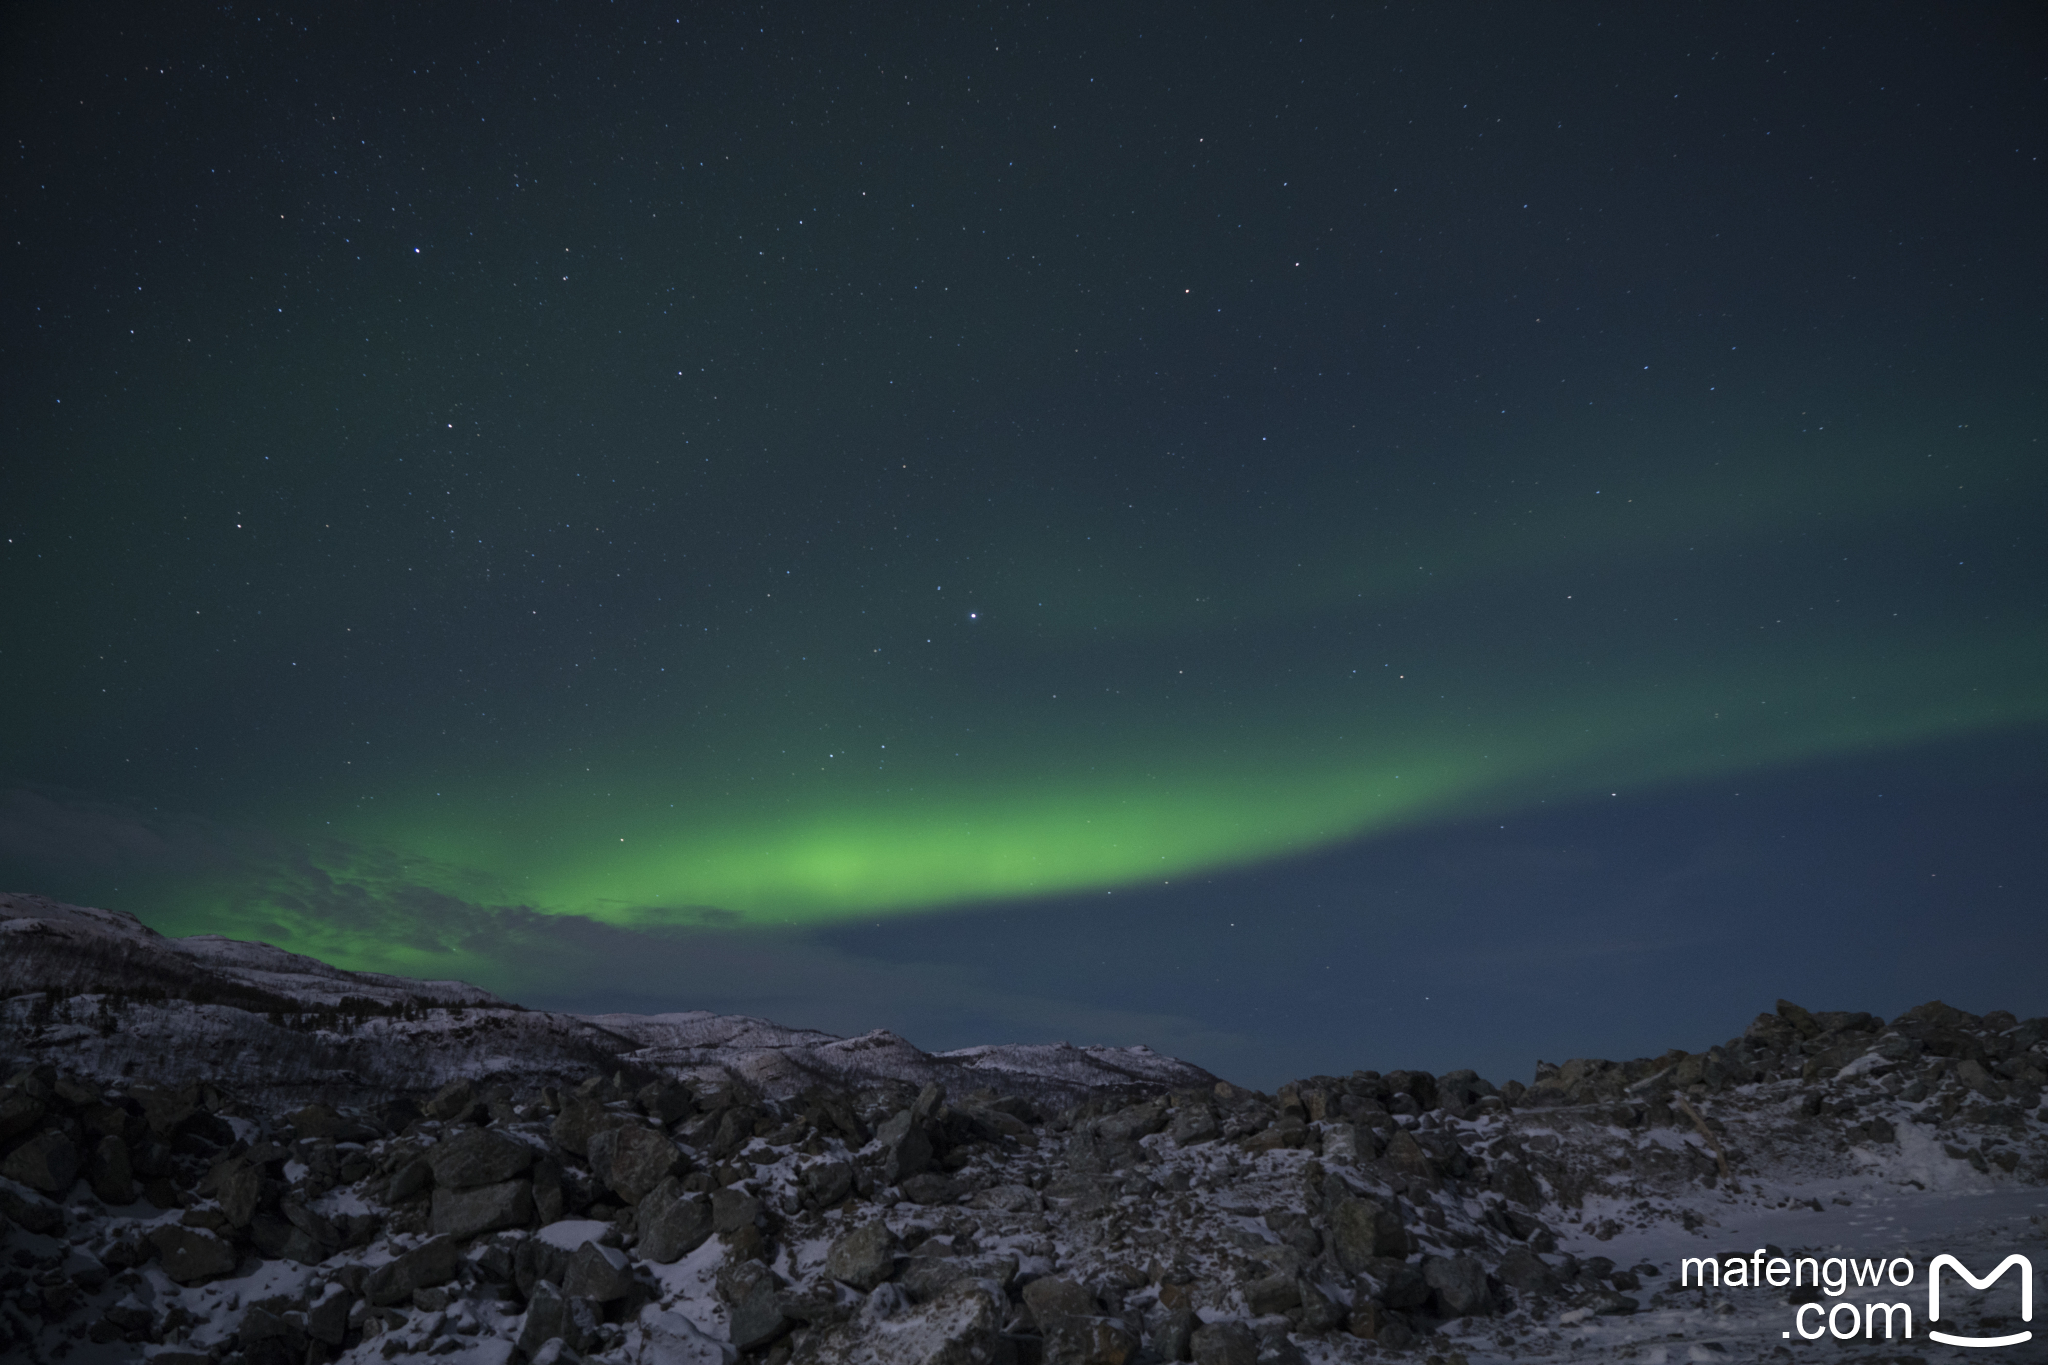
[1089, 1340]
[539, 1258]
[827, 1184]
[667, 1102]
[1407, 1156]
[1073, 1326]
[111, 1174]
[906, 1148]
[1459, 1283]
[633, 1160]
[1137, 1121]
[1523, 1270]
[961, 1327]
[671, 1222]
[1173, 1332]
[554, 1316]
[1050, 1298]
[581, 1119]
[1512, 1180]
[757, 1316]
[468, 1213]
[864, 1257]
[733, 1209]
[926, 1277]
[30, 1209]
[408, 1180]
[1274, 1293]
[670, 1338]
[1363, 1230]
[327, 1315]
[1193, 1124]
[433, 1262]
[274, 1239]
[598, 1273]
[46, 1162]
[455, 1102]
[19, 1112]
[240, 1188]
[478, 1156]
[1223, 1343]
[191, 1254]
[932, 1188]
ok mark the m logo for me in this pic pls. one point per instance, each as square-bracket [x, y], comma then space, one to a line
[2026, 1298]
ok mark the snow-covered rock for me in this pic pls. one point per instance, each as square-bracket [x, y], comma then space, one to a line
[704, 1190]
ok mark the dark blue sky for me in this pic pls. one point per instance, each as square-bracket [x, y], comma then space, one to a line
[1418, 536]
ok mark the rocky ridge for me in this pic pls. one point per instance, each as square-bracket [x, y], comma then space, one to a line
[689, 1215]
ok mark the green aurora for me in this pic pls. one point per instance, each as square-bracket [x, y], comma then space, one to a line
[1214, 741]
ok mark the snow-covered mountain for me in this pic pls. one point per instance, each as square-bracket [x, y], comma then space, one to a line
[119, 999]
[186, 1180]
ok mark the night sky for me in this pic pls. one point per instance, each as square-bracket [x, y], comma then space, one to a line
[1421, 536]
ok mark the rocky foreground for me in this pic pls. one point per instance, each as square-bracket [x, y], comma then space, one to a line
[689, 1213]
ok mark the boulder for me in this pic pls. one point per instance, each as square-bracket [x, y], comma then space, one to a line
[19, 1112]
[1137, 1121]
[1194, 1124]
[1418, 1085]
[111, 1174]
[1050, 1298]
[275, 1239]
[733, 1209]
[409, 1179]
[1223, 1343]
[546, 1254]
[1525, 1272]
[926, 1277]
[433, 1262]
[1511, 1180]
[827, 1184]
[554, 1316]
[324, 1121]
[757, 1316]
[1319, 1312]
[30, 1209]
[931, 1187]
[47, 1162]
[906, 1149]
[666, 1102]
[1089, 1340]
[1363, 1230]
[1458, 1284]
[1396, 1284]
[455, 1102]
[1406, 1156]
[464, 1214]
[864, 1257]
[476, 1157]
[961, 1327]
[671, 1222]
[1269, 1294]
[632, 1160]
[581, 1119]
[327, 1314]
[191, 1255]
[598, 1273]
[1173, 1331]
[670, 1338]
[240, 1188]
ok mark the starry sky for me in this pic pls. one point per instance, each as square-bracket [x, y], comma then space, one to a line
[1413, 536]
